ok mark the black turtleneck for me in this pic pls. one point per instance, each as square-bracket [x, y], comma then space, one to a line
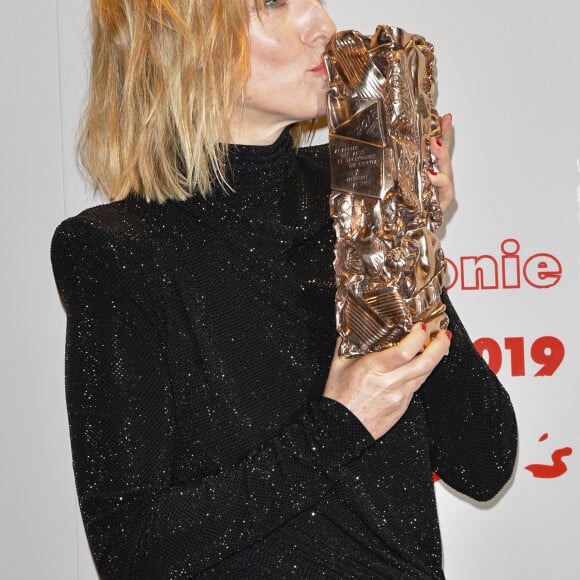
[199, 338]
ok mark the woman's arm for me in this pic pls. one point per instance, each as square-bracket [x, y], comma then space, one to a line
[140, 522]
[472, 425]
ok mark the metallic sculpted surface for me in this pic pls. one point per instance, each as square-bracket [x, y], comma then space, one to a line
[388, 262]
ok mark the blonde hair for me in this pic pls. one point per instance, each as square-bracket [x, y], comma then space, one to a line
[166, 76]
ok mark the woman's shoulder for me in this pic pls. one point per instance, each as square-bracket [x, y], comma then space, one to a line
[123, 219]
[129, 225]
[113, 240]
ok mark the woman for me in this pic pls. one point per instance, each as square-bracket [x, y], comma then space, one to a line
[214, 433]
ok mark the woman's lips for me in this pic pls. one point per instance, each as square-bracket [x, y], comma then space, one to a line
[319, 69]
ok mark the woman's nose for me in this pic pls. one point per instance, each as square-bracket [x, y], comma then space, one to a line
[319, 27]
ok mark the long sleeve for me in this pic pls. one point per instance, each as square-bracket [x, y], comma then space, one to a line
[472, 425]
[140, 522]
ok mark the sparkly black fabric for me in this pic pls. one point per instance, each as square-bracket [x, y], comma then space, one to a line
[199, 337]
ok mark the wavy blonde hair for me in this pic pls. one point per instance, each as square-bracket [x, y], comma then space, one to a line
[166, 76]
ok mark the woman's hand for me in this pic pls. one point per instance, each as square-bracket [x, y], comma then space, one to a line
[377, 388]
[443, 181]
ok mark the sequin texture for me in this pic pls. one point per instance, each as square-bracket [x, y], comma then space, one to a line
[199, 337]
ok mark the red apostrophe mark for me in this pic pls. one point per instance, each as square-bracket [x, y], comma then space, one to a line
[556, 469]
[436, 478]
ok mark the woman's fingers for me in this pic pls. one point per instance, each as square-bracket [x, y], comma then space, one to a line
[378, 387]
[436, 324]
[414, 361]
[446, 129]
[396, 356]
[445, 189]
[442, 179]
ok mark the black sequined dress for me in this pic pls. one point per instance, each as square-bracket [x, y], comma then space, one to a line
[199, 338]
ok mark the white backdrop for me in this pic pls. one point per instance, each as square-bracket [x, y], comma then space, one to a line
[510, 75]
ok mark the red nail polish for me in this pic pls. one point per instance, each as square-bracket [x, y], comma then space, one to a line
[449, 334]
[432, 172]
[438, 141]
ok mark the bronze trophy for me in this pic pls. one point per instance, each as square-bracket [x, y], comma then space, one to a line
[388, 262]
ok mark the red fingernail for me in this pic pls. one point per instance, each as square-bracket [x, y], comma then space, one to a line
[438, 141]
[449, 334]
[432, 172]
